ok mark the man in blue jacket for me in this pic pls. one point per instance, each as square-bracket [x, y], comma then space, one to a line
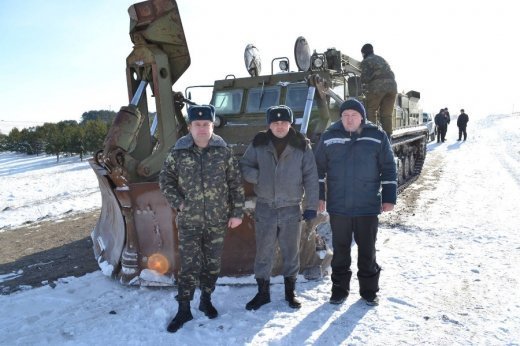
[355, 161]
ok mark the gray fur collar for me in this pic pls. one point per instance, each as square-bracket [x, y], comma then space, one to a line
[187, 142]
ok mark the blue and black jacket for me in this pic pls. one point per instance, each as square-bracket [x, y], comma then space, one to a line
[358, 169]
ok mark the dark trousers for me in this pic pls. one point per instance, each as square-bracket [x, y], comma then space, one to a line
[462, 131]
[364, 229]
[441, 133]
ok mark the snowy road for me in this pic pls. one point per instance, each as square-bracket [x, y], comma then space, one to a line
[460, 252]
[450, 274]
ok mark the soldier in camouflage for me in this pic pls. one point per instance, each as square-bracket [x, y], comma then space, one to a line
[381, 88]
[201, 180]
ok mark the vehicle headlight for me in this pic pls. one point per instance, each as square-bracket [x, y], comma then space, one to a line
[219, 121]
[318, 63]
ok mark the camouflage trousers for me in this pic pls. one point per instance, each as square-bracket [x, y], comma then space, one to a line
[200, 249]
[380, 106]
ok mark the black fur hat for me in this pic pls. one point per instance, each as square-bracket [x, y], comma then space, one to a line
[201, 112]
[279, 113]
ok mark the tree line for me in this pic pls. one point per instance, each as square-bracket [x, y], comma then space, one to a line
[64, 137]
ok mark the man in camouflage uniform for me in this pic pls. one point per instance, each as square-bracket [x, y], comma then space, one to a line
[201, 180]
[379, 82]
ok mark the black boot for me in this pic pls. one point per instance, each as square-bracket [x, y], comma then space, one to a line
[339, 295]
[183, 316]
[289, 293]
[206, 307]
[368, 287]
[262, 297]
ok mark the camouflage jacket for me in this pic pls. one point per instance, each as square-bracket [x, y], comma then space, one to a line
[376, 75]
[207, 181]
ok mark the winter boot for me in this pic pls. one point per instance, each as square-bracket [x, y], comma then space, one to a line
[289, 293]
[339, 295]
[368, 288]
[206, 307]
[183, 316]
[371, 299]
[262, 297]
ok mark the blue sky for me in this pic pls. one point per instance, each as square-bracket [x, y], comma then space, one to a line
[62, 58]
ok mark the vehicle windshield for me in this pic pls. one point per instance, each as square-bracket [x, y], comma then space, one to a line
[296, 96]
[259, 99]
[228, 102]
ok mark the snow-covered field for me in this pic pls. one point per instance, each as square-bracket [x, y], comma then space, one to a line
[450, 266]
[35, 188]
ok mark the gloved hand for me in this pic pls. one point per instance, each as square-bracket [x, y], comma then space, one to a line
[309, 214]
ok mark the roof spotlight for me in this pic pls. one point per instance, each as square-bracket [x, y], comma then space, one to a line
[318, 63]
[284, 65]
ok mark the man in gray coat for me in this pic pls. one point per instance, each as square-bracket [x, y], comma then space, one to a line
[281, 166]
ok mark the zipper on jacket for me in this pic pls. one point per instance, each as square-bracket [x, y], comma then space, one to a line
[277, 161]
[202, 185]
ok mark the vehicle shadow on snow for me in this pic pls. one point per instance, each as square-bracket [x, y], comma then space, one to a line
[46, 267]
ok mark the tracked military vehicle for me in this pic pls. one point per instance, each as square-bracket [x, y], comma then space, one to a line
[135, 239]
[314, 91]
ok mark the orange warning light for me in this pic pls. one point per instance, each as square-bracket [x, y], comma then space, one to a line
[159, 263]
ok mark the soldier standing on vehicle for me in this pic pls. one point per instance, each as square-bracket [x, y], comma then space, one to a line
[441, 120]
[281, 165]
[201, 180]
[356, 162]
[381, 88]
[462, 122]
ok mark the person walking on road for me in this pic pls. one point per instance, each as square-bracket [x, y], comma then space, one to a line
[441, 121]
[462, 122]
[448, 119]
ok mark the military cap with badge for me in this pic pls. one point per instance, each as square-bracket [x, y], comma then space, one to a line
[279, 113]
[201, 112]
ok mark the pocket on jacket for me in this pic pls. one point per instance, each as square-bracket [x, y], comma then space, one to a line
[373, 194]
